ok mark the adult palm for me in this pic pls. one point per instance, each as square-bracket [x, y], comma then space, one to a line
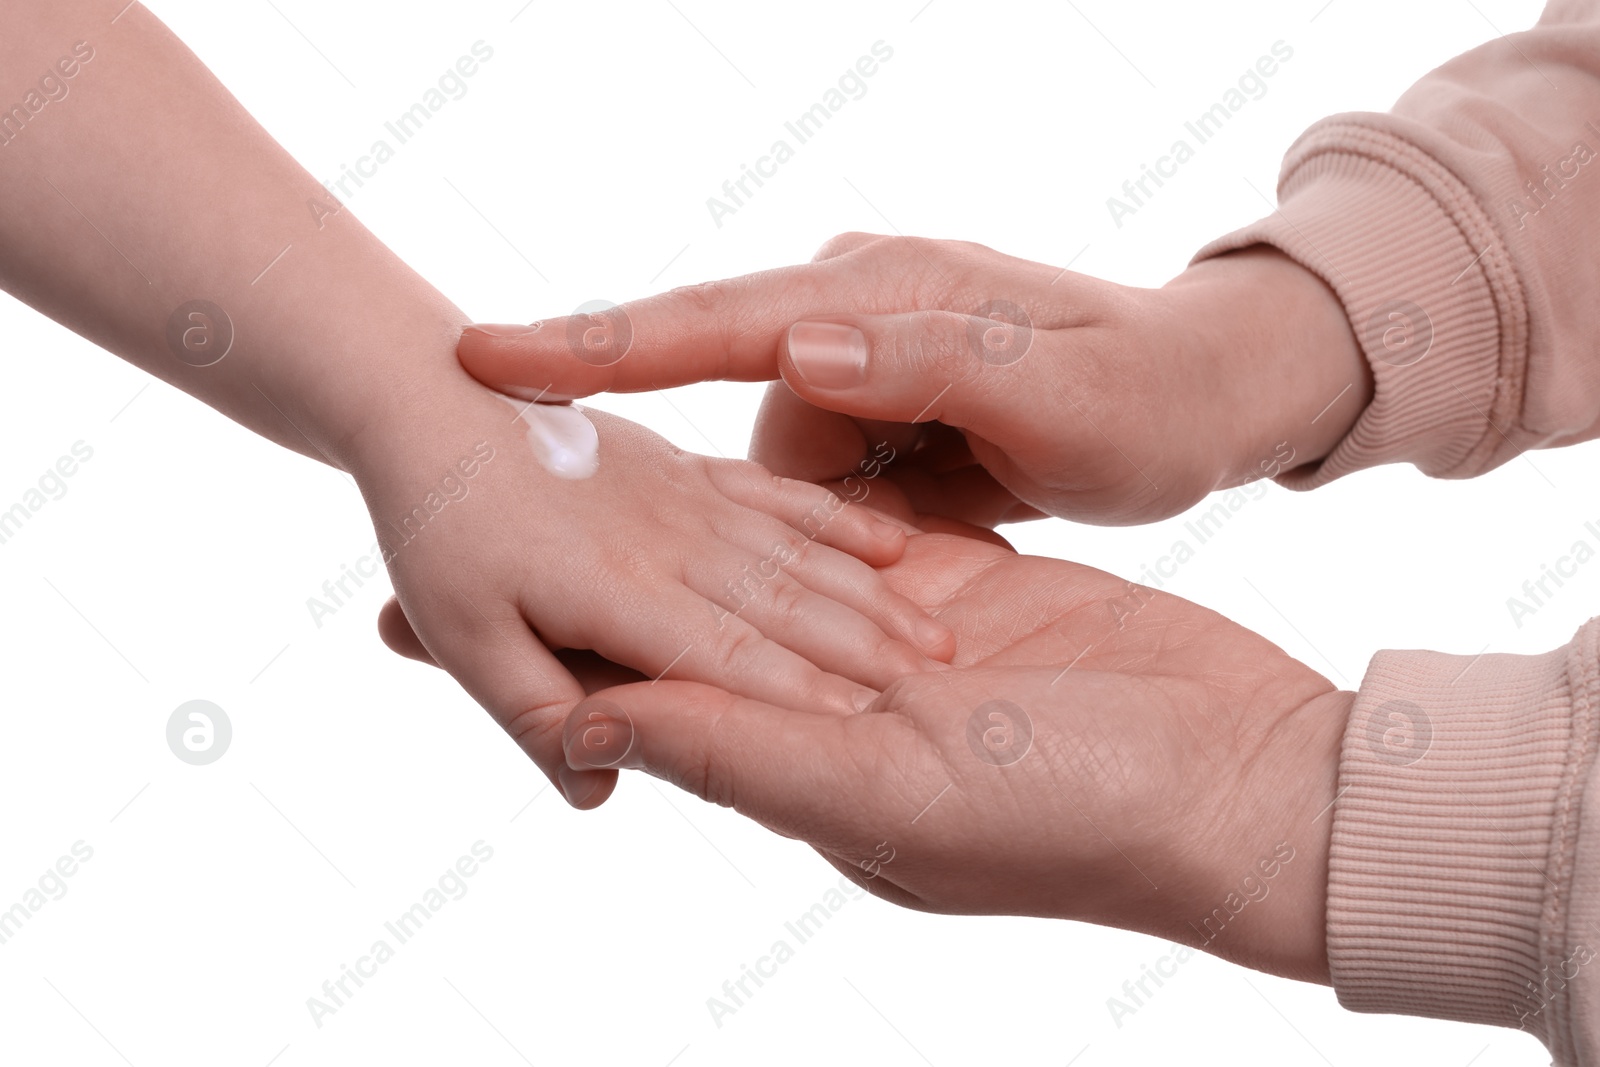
[1098, 751]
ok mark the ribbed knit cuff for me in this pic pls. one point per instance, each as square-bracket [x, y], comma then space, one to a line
[1454, 832]
[1429, 290]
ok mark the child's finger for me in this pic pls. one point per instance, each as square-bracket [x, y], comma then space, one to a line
[487, 646]
[856, 586]
[814, 512]
[742, 659]
[843, 579]
[833, 636]
[683, 634]
[593, 672]
[395, 631]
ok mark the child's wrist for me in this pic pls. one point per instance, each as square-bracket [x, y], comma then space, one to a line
[384, 393]
[415, 420]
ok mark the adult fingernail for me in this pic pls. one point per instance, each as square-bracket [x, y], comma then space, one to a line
[577, 786]
[932, 635]
[864, 699]
[497, 329]
[829, 355]
[546, 395]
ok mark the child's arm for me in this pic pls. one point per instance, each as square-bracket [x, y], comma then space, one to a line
[141, 186]
[137, 187]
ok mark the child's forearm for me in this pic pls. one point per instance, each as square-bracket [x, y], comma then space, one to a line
[137, 187]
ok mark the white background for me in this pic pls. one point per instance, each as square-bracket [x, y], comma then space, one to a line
[178, 564]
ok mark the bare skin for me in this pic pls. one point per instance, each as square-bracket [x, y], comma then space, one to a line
[1175, 780]
[1012, 389]
[136, 185]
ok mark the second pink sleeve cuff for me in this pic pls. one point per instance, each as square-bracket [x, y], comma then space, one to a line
[1455, 838]
[1429, 289]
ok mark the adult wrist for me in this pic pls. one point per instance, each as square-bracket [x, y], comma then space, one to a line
[1267, 904]
[1425, 277]
[1247, 880]
[1281, 338]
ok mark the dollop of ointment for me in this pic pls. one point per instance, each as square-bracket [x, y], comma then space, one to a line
[563, 439]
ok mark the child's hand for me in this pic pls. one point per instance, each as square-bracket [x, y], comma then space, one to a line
[343, 353]
[664, 561]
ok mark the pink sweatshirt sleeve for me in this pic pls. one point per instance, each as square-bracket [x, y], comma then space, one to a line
[1461, 231]
[1464, 869]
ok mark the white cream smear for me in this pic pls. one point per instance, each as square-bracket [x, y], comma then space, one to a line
[563, 439]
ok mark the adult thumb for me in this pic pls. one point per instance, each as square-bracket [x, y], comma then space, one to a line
[962, 370]
[788, 770]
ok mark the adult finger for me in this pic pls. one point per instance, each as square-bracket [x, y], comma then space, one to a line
[811, 444]
[939, 524]
[728, 329]
[969, 494]
[725, 330]
[962, 370]
[796, 772]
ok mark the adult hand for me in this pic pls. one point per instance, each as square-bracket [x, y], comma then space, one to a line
[1006, 388]
[1101, 752]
